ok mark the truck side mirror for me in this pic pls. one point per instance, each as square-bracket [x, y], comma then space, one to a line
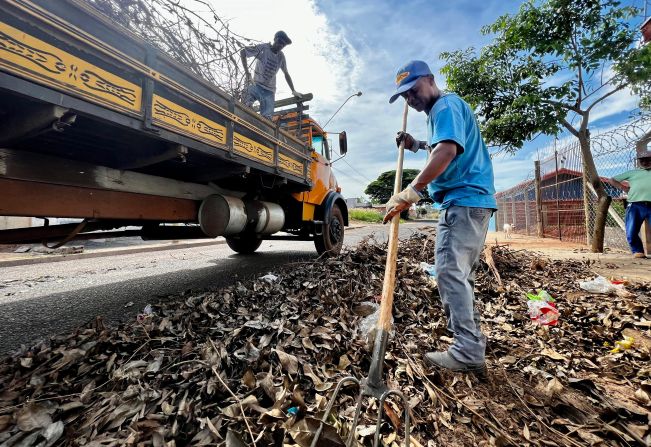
[343, 143]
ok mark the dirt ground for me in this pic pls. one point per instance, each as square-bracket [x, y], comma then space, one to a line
[613, 263]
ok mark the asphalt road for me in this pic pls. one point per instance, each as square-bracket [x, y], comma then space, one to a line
[40, 300]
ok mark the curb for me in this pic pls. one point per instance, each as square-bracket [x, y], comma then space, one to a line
[100, 254]
[120, 251]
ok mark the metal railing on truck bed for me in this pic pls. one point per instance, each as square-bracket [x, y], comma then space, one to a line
[134, 103]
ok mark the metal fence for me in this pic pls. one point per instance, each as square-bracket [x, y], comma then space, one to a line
[555, 201]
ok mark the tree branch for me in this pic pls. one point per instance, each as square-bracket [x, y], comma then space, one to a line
[563, 105]
[569, 127]
[612, 92]
[577, 54]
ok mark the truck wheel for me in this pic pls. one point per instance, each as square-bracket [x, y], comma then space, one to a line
[244, 245]
[332, 239]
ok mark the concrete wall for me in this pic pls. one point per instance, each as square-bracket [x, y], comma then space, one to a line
[9, 222]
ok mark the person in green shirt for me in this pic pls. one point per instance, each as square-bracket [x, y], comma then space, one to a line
[638, 187]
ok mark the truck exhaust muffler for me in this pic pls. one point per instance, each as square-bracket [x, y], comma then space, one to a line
[221, 215]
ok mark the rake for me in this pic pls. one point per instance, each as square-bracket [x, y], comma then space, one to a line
[373, 386]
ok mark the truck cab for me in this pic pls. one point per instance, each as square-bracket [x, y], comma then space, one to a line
[323, 203]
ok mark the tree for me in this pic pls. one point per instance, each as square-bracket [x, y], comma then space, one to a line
[547, 68]
[380, 190]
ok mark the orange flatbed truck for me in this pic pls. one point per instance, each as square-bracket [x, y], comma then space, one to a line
[97, 125]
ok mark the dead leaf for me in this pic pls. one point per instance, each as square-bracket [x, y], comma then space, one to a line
[248, 379]
[288, 361]
[303, 433]
[319, 385]
[642, 397]
[344, 363]
[548, 352]
[5, 422]
[553, 388]
[589, 437]
[307, 343]
[234, 440]
[33, 416]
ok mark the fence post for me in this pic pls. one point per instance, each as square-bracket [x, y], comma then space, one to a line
[513, 217]
[586, 208]
[558, 199]
[506, 211]
[527, 218]
[646, 237]
[539, 217]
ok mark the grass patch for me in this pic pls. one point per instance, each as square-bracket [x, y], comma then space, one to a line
[365, 215]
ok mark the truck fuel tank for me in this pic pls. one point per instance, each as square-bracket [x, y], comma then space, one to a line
[221, 215]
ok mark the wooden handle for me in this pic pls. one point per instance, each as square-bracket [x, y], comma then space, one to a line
[386, 306]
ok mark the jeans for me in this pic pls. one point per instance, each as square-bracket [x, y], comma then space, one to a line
[459, 242]
[636, 214]
[263, 96]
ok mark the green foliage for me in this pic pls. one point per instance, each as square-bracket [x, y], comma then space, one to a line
[550, 59]
[380, 190]
[365, 215]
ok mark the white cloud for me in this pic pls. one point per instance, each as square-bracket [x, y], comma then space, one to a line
[622, 101]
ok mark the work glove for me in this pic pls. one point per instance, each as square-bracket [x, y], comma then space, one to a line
[248, 77]
[297, 94]
[400, 202]
[410, 142]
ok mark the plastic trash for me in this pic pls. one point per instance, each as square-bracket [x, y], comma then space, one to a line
[542, 295]
[430, 269]
[368, 325]
[148, 311]
[622, 345]
[293, 411]
[542, 309]
[602, 285]
[598, 285]
[269, 278]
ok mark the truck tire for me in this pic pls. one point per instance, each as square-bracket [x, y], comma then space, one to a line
[332, 239]
[245, 245]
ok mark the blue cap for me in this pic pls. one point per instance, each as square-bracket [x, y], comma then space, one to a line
[408, 76]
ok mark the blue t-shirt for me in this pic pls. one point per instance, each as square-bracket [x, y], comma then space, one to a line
[468, 180]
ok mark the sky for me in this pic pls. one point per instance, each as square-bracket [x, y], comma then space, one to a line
[341, 47]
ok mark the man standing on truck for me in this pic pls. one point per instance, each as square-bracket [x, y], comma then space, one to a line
[269, 58]
[459, 176]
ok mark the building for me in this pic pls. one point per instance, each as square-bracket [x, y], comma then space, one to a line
[356, 202]
[646, 31]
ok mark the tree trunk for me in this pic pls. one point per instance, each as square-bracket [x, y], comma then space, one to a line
[603, 199]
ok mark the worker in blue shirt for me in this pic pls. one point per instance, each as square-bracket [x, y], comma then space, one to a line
[459, 176]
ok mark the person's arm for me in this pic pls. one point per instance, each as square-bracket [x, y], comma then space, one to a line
[621, 182]
[411, 143]
[623, 185]
[288, 78]
[245, 65]
[438, 161]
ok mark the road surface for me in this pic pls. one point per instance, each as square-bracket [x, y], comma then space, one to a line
[40, 300]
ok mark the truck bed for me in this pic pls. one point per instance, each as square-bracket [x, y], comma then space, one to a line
[134, 108]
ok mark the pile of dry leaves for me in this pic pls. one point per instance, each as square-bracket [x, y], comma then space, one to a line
[255, 363]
